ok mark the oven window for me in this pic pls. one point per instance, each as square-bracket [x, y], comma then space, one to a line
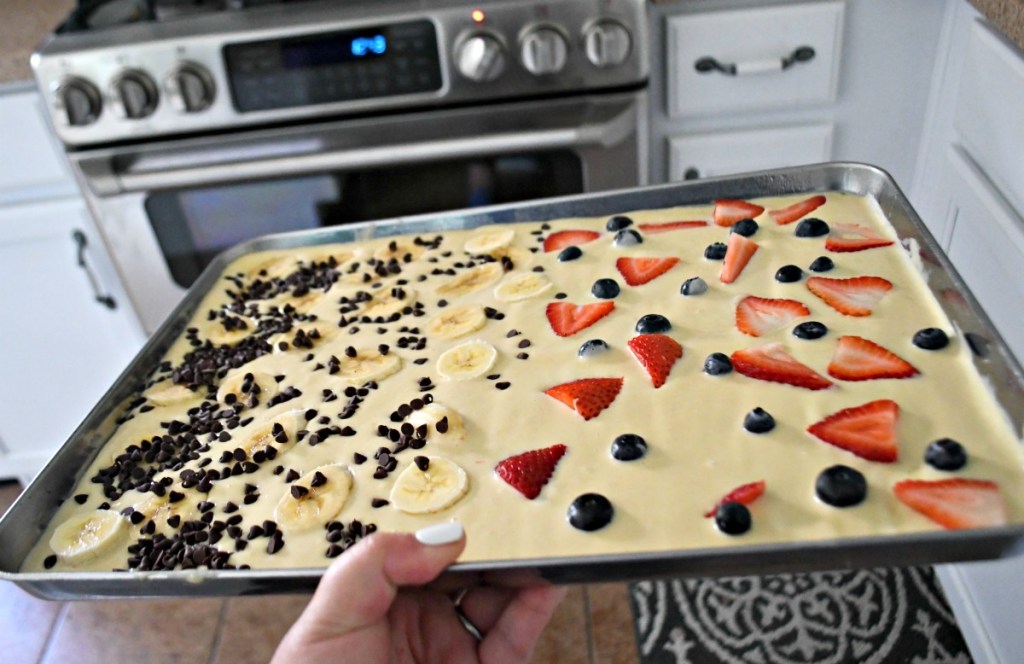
[194, 225]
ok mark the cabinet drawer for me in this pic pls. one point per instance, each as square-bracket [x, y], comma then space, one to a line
[988, 110]
[755, 42]
[729, 152]
[33, 168]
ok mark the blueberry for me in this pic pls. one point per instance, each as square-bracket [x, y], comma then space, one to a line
[812, 329]
[811, 227]
[745, 227]
[592, 347]
[627, 238]
[570, 253]
[946, 454]
[653, 324]
[717, 364]
[591, 511]
[629, 447]
[787, 274]
[606, 289]
[694, 286]
[931, 338]
[759, 421]
[822, 264]
[618, 222]
[715, 251]
[841, 486]
[732, 518]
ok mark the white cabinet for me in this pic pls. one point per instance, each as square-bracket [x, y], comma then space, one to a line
[32, 167]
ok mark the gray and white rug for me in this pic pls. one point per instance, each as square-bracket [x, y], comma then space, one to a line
[864, 616]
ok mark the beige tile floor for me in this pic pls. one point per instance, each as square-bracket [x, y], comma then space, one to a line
[592, 626]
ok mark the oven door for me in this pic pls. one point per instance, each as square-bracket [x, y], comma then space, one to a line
[167, 209]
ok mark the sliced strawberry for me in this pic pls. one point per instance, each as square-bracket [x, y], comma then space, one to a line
[856, 296]
[528, 472]
[773, 364]
[654, 228]
[737, 254]
[638, 271]
[656, 353]
[729, 210]
[758, 316]
[567, 319]
[587, 396]
[955, 503]
[562, 239]
[788, 215]
[853, 237]
[868, 430]
[744, 495]
[856, 358]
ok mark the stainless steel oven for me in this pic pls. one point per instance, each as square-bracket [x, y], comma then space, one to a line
[191, 134]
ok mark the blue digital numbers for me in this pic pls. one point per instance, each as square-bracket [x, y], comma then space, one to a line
[362, 46]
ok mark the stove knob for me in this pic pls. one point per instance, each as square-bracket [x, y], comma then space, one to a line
[480, 57]
[133, 95]
[190, 88]
[77, 102]
[544, 51]
[607, 43]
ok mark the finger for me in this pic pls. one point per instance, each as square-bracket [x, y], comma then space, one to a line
[358, 589]
[516, 632]
[483, 606]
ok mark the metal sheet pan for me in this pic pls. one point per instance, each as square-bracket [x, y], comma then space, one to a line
[25, 521]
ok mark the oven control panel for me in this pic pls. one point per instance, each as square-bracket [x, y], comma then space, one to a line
[296, 62]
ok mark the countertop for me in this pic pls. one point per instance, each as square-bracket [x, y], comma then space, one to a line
[23, 23]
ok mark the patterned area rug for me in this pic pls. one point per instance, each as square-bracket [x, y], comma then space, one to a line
[863, 616]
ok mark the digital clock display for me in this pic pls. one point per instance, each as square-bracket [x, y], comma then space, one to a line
[333, 49]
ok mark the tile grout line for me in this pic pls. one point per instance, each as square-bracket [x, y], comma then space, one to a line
[588, 627]
[219, 634]
[58, 620]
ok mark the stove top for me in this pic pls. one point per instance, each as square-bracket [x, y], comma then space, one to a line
[92, 15]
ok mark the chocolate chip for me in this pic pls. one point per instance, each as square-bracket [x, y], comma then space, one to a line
[51, 560]
[276, 543]
[525, 343]
[503, 385]
[379, 502]
[319, 479]
[359, 458]
[422, 463]
[298, 491]
[523, 356]
[442, 425]
[81, 498]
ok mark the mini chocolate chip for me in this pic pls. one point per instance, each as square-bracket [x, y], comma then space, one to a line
[298, 491]
[51, 560]
[422, 463]
[379, 502]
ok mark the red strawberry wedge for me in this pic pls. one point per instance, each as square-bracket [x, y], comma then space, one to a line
[528, 472]
[638, 271]
[853, 237]
[856, 296]
[567, 319]
[587, 396]
[738, 253]
[562, 239]
[775, 365]
[729, 210]
[868, 430]
[744, 495]
[856, 358]
[758, 316]
[955, 503]
[656, 353]
[653, 228]
[788, 215]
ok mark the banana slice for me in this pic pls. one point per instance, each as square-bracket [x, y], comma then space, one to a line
[315, 498]
[391, 301]
[367, 365]
[87, 536]
[284, 342]
[467, 360]
[472, 280]
[244, 382]
[399, 250]
[456, 322]
[241, 327]
[490, 243]
[167, 393]
[279, 432]
[438, 487]
[160, 508]
[521, 286]
[443, 424]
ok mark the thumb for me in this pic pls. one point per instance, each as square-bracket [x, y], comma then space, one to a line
[358, 588]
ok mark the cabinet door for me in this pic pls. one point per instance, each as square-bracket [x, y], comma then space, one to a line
[729, 152]
[61, 348]
[32, 167]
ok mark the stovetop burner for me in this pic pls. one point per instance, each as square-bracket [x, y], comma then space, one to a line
[98, 14]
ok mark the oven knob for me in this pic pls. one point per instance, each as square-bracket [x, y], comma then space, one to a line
[133, 95]
[77, 102]
[190, 88]
[480, 58]
[544, 51]
[607, 43]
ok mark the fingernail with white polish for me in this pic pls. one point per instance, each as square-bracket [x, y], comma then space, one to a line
[440, 533]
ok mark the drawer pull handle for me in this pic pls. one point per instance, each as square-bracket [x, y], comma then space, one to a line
[708, 64]
[82, 242]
